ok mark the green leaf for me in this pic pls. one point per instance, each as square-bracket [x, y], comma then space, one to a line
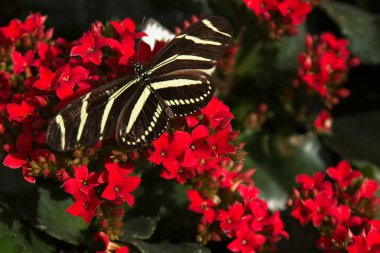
[355, 142]
[289, 47]
[360, 27]
[139, 227]
[23, 235]
[45, 209]
[168, 248]
[12, 181]
[11, 244]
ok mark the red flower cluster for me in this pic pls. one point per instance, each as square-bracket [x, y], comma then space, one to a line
[339, 206]
[119, 185]
[203, 154]
[281, 16]
[325, 65]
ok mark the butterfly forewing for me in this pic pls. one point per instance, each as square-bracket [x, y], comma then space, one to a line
[197, 47]
[91, 117]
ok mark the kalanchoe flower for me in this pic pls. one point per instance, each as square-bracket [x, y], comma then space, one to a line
[85, 205]
[82, 181]
[118, 183]
[323, 122]
[343, 174]
[201, 205]
[88, 49]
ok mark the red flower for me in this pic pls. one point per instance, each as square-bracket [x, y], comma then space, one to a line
[33, 22]
[19, 112]
[296, 10]
[246, 242]
[127, 49]
[233, 218]
[84, 205]
[248, 192]
[310, 183]
[20, 62]
[120, 185]
[82, 181]
[165, 153]
[46, 78]
[68, 77]
[260, 7]
[88, 49]
[343, 174]
[200, 205]
[13, 31]
[323, 122]
[219, 143]
[127, 26]
[217, 113]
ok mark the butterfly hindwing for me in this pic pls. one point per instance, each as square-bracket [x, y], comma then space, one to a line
[185, 92]
[143, 121]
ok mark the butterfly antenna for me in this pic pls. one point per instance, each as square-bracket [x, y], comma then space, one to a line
[139, 43]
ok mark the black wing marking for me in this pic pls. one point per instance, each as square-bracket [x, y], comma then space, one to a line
[197, 47]
[90, 118]
[185, 92]
[143, 121]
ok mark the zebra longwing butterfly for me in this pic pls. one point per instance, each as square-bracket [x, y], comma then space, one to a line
[138, 110]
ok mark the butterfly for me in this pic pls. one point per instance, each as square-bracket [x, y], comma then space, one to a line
[137, 110]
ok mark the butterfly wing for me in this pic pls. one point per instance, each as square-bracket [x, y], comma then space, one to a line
[90, 118]
[143, 120]
[184, 92]
[198, 47]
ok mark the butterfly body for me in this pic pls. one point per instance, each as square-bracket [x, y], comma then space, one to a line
[137, 110]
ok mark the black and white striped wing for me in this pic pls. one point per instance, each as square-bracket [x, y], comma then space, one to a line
[198, 47]
[184, 92]
[142, 121]
[92, 117]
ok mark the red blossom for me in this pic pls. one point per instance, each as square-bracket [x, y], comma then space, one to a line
[13, 31]
[343, 174]
[20, 62]
[233, 220]
[246, 242]
[296, 10]
[219, 143]
[19, 112]
[88, 49]
[82, 181]
[84, 205]
[119, 184]
[201, 205]
[166, 153]
[46, 77]
[67, 79]
[323, 122]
